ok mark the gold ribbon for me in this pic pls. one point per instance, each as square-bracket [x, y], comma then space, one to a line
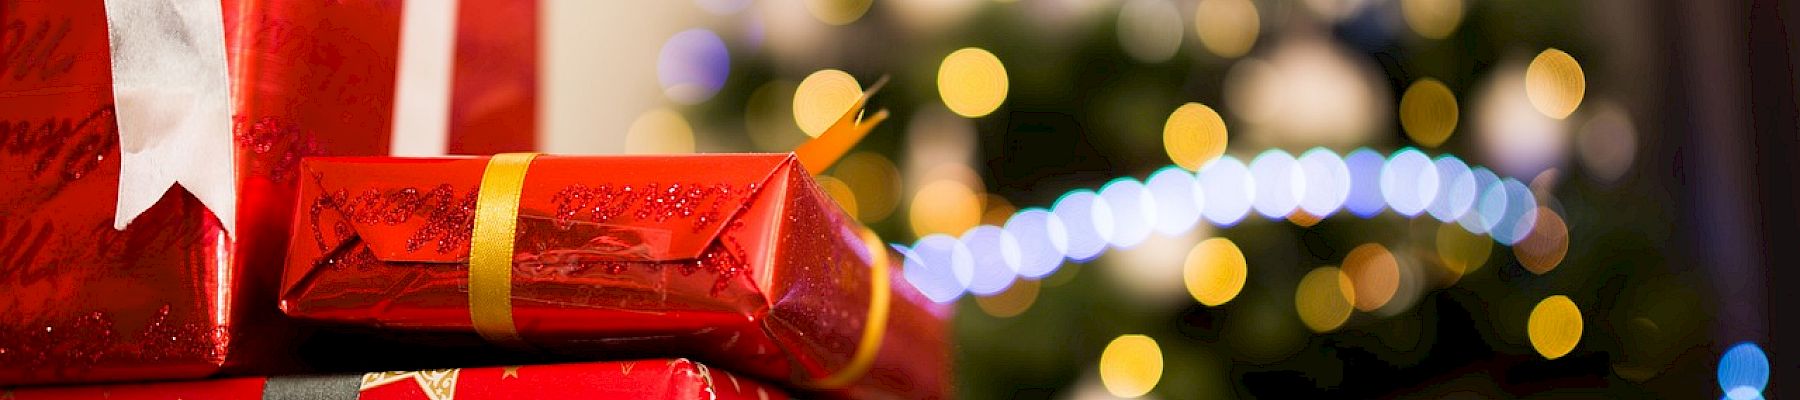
[491, 248]
[874, 328]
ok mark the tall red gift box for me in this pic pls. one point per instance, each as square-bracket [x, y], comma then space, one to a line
[736, 259]
[174, 294]
[642, 379]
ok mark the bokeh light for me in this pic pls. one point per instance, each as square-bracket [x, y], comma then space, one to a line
[1215, 271]
[1150, 273]
[1513, 137]
[1131, 365]
[1132, 212]
[1744, 371]
[839, 192]
[1544, 247]
[1150, 30]
[1226, 185]
[692, 66]
[822, 98]
[1374, 275]
[995, 210]
[1310, 92]
[1428, 111]
[931, 266]
[1520, 212]
[1555, 84]
[1554, 327]
[1076, 211]
[1432, 19]
[996, 259]
[1484, 215]
[874, 180]
[1279, 183]
[1607, 143]
[1323, 299]
[1194, 135]
[1178, 200]
[944, 206]
[1456, 189]
[722, 7]
[1365, 198]
[1011, 302]
[1409, 182]
[659, 131]
[838, 12]
[1227, 28]
[972, 82]
[1460, 251]
[1328, 183]
[1042, 241]
[769, 117]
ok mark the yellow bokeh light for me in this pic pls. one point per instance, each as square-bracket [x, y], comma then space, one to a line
[972, 82]
[1461, 252]
[1304, 219]
[822, 98]
[1554, 326]
[768, 118]
[1324, 299]
[839, 192]
[1433, 19]
[1545, 246]
[995, 210]
[659, 131]
[838, 12]
[1374, 273]
[1215, 271]
[1428, 112]
[944, 206]
[875, 181]
[1131, 366]
[1011, 302]
[1554, 83]
[1227, 28]
[1194, 135]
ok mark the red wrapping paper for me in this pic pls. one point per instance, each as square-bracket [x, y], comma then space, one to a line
[165, 298]
[644, 379]
[736, 259]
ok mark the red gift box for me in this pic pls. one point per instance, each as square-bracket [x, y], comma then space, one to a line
[736, 259]
[166, 296]
[644, 379]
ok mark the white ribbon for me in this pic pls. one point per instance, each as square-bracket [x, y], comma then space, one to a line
[172, 96]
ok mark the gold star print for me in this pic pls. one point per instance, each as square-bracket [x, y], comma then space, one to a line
[625, 368]
[511, 371]
[7, 395]
[438, 384]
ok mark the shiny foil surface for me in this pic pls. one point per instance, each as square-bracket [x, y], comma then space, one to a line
[736, 259]
[639, 379]
[168, 296]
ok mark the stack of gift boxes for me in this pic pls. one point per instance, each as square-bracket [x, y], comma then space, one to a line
[342, 273]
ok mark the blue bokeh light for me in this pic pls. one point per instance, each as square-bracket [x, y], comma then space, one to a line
[1365, 183]
[1133, 212]
[1483, 215]
[930, 267]
[1226, 185]
[1456, 189]
[693, 65]
[1176, 196]
[1076, 210]
[995, 256]
[1041, 241]
[1409, 182]
[1279, 183]
[1520, 215]
[1744, 366]
[1327, 182]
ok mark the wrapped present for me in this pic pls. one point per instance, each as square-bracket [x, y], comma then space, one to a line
[737, 259]
[106, 273]
[642, 379]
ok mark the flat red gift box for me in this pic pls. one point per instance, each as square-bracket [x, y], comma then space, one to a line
[736, 259]
[165, 297]
[643, 379]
